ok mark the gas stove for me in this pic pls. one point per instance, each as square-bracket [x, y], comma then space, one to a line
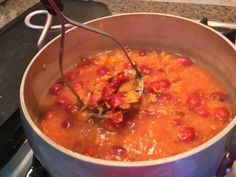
[18, 49]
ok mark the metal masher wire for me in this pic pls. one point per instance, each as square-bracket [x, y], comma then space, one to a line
[63, 20]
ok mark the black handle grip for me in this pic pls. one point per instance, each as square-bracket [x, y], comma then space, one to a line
[49, 8]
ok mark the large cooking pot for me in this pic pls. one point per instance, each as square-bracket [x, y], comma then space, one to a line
[142, 30]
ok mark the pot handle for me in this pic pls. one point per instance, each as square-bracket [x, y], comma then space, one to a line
[230, 155]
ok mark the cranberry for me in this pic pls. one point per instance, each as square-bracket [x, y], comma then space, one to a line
[67, 122]
[70, 75]
[61, 101]
[128, 65]
[193, 101]
[142, 52]
[164, 83]
[117, 117]
[222, 113]
[91, 151]
[102, 70]
[110, 126]
[56, 89]
[70, 107]
[145, 69]
[122, 77]
[199, 93]
[184, 61]
[116, 100]
[94, 99]
[202, 110]
[218, 96]
[84, 62]
[118, 150]
[187, 134]
[158, 84]
[107, 92]
[77, 85]
[163, 97]
[116, 84]
[119, 80]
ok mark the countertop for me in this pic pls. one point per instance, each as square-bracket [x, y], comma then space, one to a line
[12, 8]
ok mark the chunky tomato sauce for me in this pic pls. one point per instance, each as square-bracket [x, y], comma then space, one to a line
[182, 106]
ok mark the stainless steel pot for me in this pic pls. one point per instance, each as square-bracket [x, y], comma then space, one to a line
[142, 30]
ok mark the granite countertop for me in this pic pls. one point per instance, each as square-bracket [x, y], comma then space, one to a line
[12, 8]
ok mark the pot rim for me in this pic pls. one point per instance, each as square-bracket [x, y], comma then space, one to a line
[121, 163]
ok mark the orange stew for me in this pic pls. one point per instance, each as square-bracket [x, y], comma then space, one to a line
[182, 106]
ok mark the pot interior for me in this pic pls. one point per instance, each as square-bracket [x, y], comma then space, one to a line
[149, 31]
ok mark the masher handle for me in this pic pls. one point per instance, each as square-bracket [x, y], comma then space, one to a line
[49, 8]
